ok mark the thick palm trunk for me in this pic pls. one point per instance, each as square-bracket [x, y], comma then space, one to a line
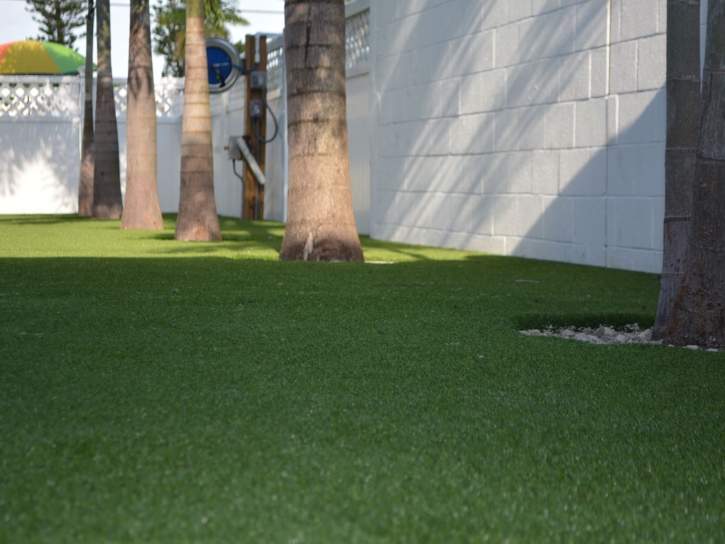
[197, 219]
[141, 209]
[85, 180]
[699, 313]
[683, 132]
[320, 219]
[107, 201]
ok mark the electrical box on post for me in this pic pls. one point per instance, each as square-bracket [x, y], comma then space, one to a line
[258, 81]
[255, 109]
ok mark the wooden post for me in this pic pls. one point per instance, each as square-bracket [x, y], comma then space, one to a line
[253, 192]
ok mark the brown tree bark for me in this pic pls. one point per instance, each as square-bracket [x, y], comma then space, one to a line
[85, 179]
[320, 219]
[698, 316]
[683, 132]
[107, 201]
[198, 220]
[141, 209]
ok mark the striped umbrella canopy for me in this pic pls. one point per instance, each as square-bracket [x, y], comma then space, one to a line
[34, 57]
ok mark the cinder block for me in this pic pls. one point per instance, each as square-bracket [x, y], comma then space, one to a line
[532, 124]
[507, 45]
[458, 211]
[402, 36]
[583, 172]
[574, 77]
[598, 72]
[632, 222]
[472, 134]
[507, 130]
[560, 126]
[495, 173]
[544, 6]
[623, 68]
[591, 123]
[423, 102]
[471, 54]
[519, 170]
[495, 13]
[642, 117]
[470, 15]
[389, 137]
[530, 84]
[547, 35]
[429, 137]
[391, 173]
[637, 170]
[591, 25]
[423, 173]
[639, 19]
[558, 219]
[438, 25]
[432, 63]
[394, 105]
[530, 216]
[505, 215]
[545, 172]
[658, 223]
[481, 214]
[633, 259]
[590, 220]
[469, 174]
[519, 9]
[651, 62]
[471, 94]
[395, 72]
[449, 94]
[493, 90]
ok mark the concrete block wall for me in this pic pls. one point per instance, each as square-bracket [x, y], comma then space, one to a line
[521, 127]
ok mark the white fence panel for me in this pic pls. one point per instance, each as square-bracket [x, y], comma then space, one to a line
[39, 144]
[275, 190]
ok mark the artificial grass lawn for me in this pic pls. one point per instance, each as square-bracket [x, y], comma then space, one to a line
[157, 391]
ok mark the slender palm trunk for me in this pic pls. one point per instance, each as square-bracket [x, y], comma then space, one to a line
[85, 179]
[683, 132]
[698, 316]
[197, 219]
[107, 202]
[141, 209]
[320, 219]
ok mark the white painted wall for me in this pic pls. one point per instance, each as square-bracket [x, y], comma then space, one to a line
[521, 127]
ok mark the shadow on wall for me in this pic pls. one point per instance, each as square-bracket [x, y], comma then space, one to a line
[39, 166]
[536, 159]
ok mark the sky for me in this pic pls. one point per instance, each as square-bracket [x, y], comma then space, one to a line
[17, 24]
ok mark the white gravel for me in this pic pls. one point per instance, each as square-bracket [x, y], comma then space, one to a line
[631, 334]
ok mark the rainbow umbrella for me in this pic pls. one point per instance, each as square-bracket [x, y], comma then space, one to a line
[34, 57]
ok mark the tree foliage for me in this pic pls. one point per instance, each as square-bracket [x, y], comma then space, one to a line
[169, 31]
[58, 19]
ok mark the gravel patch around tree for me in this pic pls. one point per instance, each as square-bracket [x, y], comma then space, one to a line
[630, 334]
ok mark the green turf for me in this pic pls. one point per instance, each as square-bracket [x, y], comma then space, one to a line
[153, 391]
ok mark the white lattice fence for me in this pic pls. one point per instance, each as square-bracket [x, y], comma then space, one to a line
[357, 39]
[169, 97]
[39, 96]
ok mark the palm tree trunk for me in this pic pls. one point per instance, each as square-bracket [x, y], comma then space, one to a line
[85, 180]
[197, 219]
[698, 316]
[683, 131]
[107, 202]
[320, 219]
[142, 209]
